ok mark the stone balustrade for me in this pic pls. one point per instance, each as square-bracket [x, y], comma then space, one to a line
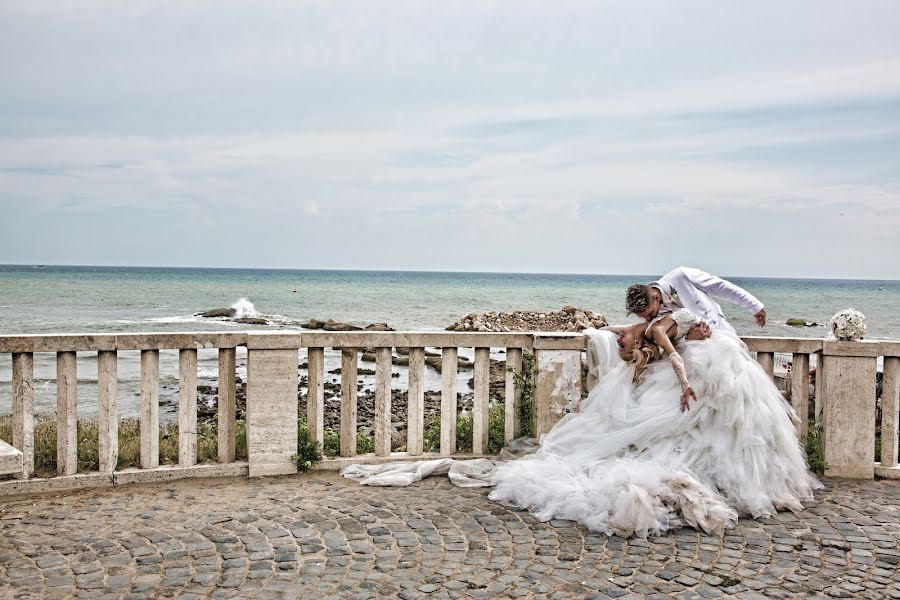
[844, 398]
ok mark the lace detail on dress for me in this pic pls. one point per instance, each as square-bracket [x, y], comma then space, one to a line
[683, 319]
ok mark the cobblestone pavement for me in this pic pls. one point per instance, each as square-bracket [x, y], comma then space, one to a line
[319, 536]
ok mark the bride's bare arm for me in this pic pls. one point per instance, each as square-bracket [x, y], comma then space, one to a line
[659, 332]
[614, 328]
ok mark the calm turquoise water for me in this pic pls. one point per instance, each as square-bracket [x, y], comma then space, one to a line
[54, 299]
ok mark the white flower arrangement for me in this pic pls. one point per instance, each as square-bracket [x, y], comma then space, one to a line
[848, 325]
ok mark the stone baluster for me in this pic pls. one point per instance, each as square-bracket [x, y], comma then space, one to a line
[315, 394]
[23, 415]
[107, 410]
[227, 405]
[149, 409]
[382, 423]
[449, 367]
[480, 405]
[415, 406]
[767, 360]
[800, 390]
[821, 369]
[187, 407]
[512, 393]
[349, 364]
[890, 407]
[66, 414]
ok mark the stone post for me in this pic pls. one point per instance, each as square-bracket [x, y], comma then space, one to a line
[481, 402]
[272, 404]
[107, 410]
[800, 390]
[558, 387]
[149, 409]
[227, 405]
[23, 416]
[512, 393]
[415, 405]
[66, 414]
[187, 407]
[849, 411]
[890, 410]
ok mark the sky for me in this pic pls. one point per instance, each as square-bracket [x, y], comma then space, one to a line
[753, 139]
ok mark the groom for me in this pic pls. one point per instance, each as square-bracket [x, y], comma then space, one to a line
[693, 289]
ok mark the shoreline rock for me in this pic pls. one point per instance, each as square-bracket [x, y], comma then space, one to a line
[568, 319]
[218, 313]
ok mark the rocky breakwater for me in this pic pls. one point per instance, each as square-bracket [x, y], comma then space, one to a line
[567, 319]
[331, 325]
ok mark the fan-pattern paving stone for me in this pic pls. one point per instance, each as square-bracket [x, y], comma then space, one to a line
[320, 536]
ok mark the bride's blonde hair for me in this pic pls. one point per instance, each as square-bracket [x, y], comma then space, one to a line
[641, 356]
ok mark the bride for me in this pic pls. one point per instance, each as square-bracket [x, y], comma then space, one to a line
[655, 447]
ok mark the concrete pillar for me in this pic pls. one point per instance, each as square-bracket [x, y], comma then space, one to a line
[23, 412]
[271, 411]
[558, 387]
[800, 390]
[227, 405]
[767, 360]
[849, 416]
[890, 407]
[66, 414]
[149, 409]
[382, 401]
[349, 365]
[480, 406]
[187, 407]
[315, 395]
[449, 366]
[107, 410]
[821, 382]
[415, 402]
[512, 393]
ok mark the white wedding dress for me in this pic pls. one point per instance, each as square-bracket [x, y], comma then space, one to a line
[631, 463]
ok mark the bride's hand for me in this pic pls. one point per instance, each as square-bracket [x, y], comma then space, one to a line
[686, 394]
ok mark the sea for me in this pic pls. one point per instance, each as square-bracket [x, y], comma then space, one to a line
[36, 299]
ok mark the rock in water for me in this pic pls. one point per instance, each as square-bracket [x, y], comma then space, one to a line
[800, 323]
[251, 321]
[218, 312]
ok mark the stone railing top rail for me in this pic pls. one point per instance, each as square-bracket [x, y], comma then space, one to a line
[88, 342]
[826, 346]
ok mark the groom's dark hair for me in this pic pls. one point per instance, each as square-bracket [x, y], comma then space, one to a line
[637, 298]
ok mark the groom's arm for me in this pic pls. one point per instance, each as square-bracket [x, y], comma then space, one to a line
[725, 290]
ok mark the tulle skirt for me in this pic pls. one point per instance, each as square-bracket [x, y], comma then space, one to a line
[631, 463]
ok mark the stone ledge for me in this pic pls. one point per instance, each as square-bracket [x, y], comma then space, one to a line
[10, 459]
[560, 341]
[783, 344]
[887, 472]
[94, 480]
[334, 464]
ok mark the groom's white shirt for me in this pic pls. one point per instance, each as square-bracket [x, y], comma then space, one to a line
[693, 289]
